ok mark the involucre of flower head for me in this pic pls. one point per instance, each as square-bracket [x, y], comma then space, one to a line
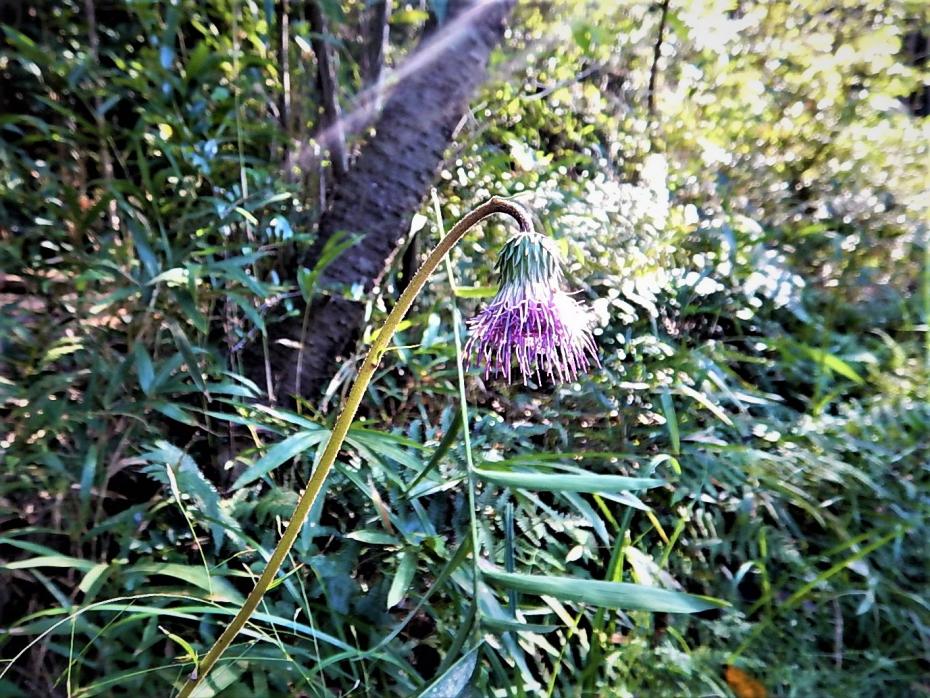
[532, 318]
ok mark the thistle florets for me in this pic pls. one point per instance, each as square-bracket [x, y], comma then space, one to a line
[532, 318]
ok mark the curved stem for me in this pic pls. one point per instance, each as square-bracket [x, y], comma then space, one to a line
[341, 428]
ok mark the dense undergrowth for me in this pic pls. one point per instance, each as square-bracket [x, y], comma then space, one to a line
[754, 245]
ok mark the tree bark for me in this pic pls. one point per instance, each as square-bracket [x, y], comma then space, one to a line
[385, 187]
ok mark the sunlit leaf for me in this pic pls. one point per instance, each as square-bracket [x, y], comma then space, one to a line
[566, 482]
[455, 680]
[291, 447]
[605, 594]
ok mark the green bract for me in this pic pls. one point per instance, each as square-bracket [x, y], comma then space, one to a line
[530, 258]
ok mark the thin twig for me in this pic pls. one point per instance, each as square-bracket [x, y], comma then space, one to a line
[837, 635]
[284, 58]
[656, 54]
[262, 309]
[378, 40]
[106, 162]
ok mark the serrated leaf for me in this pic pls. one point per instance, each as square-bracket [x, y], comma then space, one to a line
[192, 482]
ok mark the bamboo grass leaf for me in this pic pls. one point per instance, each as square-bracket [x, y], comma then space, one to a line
[622, 595]
[565, 482]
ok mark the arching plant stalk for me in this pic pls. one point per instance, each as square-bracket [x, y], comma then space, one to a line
[341, 428]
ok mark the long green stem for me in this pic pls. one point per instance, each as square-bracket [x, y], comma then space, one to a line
[341, 428]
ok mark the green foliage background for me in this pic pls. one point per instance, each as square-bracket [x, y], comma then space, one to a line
[755, 249]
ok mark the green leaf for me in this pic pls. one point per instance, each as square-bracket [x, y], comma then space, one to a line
[454, 680]
[406, 568]
[476, 291]
[182, 295]
[335, 246]
[198, 60]
[176, 276]
[671, 420]
[287, 416]
[373, 537]
[143, 250]
[189, 651]
[507, 625]
[250, 311]
[375, 446]
[11, 690]
[409, 16]
[184, 345]
[88, 473]
[50, 561]
[442, 449]
[218, 587]
[833, 363]
[401, 326]
[305, 283]
[565, 482]
[634, 597]
[192, 482]
[218, 680]
[59, 350]
[246, 214]
[144, 369]
[94, 579]
[175, 412]
[292, 446]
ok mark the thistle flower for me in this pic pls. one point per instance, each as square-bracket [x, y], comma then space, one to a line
[532, 318]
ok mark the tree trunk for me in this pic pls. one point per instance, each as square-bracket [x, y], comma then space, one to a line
[384, 188]
[328, 81]
[378, 31]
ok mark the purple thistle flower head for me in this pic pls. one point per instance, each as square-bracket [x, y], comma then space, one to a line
[532, 318]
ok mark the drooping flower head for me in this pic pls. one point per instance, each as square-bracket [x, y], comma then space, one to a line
[532, 318]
